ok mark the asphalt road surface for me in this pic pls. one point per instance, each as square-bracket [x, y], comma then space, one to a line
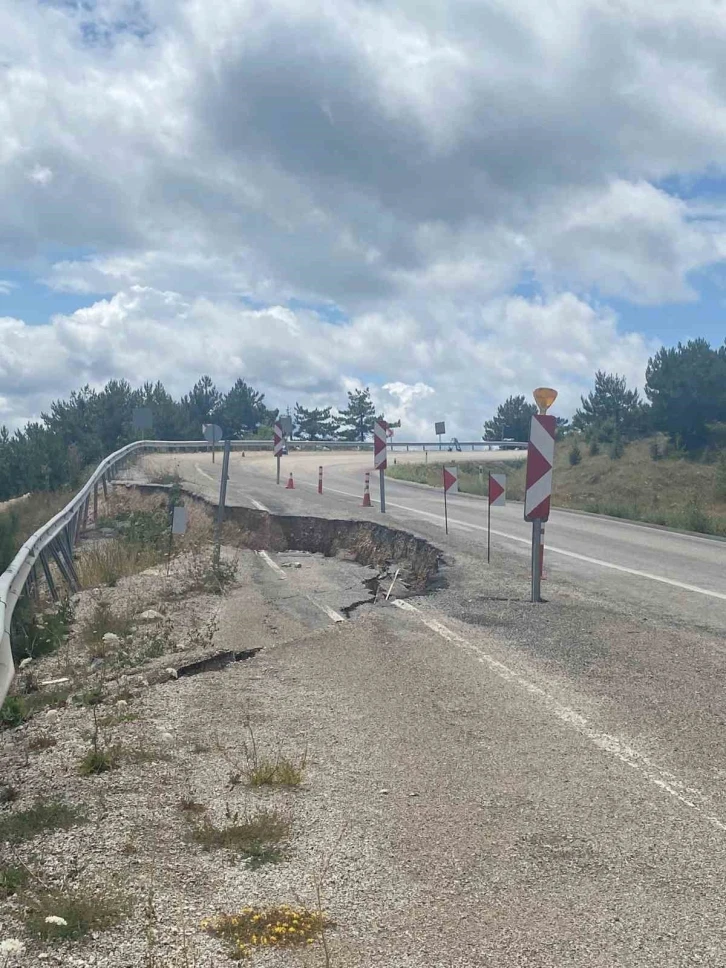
[567, 759]
[624, 563]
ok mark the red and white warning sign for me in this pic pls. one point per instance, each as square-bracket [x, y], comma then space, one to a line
[540, 458]
[451, 479]
[380, 450]
[277, 439]
[497, 490]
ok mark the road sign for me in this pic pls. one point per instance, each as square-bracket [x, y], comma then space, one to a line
[451, 483]
[212, 433]
[142, 419]
[496, 497]
[380, 452]
[277, 439]
[286, 424]
[497, 490]
[440, 427]
[540, 459]
[179, 520]
[380, 457]
[451, 479]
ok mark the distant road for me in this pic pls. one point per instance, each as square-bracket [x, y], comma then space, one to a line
[624, 562]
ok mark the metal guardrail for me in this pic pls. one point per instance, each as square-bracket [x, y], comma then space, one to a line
[56, 539]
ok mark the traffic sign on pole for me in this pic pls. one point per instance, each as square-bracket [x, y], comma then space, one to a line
[540, 460]
[451, 483]
[380, 457]
[277, 445]
[538, 492]
[496, 497]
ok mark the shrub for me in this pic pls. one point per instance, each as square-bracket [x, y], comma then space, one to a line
[34, 634]
[267, 927]
[575, 454]
[617, 448]
[11, 880]
[654, 449]
[594, 449]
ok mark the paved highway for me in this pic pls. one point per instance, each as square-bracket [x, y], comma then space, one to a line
[568, 758]
[681, 575]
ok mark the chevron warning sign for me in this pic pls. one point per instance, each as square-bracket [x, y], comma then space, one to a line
[451, 479]
[497, 490]
[540, 458]
[380, 451]
[277, 439]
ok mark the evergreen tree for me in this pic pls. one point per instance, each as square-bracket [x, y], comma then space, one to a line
[511, 421]
[611, 410]
[315, 424]
[359, 416]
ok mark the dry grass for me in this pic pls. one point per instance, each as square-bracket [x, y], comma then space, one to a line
[254, 836]
[108, 561]
[44, 815]
[81, 910]
[675, 492]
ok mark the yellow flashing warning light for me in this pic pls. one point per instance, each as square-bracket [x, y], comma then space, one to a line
[544, 398]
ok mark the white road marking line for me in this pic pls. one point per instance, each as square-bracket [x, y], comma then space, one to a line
[553, 549]
[203, 473]
[330, 612]
[259, 506]
[604, 741]
[275, 567]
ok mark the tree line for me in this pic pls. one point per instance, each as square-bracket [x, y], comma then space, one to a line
[685, 398]
[57, 450]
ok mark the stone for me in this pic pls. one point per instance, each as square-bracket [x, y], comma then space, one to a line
[52, 715]
[150, 615]
[110, 638]
[25, 663]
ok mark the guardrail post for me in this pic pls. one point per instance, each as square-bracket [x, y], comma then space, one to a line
[105, 487]
[48, 576]
[60, 556]
[95, 503]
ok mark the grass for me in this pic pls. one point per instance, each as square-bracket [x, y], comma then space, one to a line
[649, 483]
[99, 760]
[254, 837]
[12, 880]
[44, 815]
[473, 475]
[109, 561]
[278, 772]
[262, 928]
[35, 633]
[25, 516]
[41, 742]
[82, 910]
[19, 709]
[202, 573]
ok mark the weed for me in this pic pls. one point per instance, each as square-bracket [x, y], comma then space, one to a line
[116, 719]
[190, 805]
[43, 815]
[157, 640]
[201, 635]
[99, 761]
[100, 622]
[19, 709]
[35, 634]
[280, 771]
[253, 836]
[109, 561]
[202, 572]
[70, 914]
[165, 475]
[266, 927]
[41, 742]
[12, 712]
[147, 755]
[91, 697]
[12, 879]
[102, 756]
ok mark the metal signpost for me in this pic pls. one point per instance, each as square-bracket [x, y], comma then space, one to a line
[212, 434]
[451, 483]
[143, 420]
[380, 457]
[496, 497]
[277, 445]
[222, 498]
[440, 430]
[179, 522]
[540, 460]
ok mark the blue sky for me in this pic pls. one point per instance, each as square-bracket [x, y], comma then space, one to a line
[452, 203]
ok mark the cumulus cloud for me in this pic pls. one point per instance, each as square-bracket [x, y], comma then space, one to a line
[401, 167]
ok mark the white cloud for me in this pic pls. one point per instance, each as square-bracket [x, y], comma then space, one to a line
[409, 163]
[6, 287]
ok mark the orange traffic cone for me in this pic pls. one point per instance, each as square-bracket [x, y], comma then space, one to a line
[290, 486]
[367, 491]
